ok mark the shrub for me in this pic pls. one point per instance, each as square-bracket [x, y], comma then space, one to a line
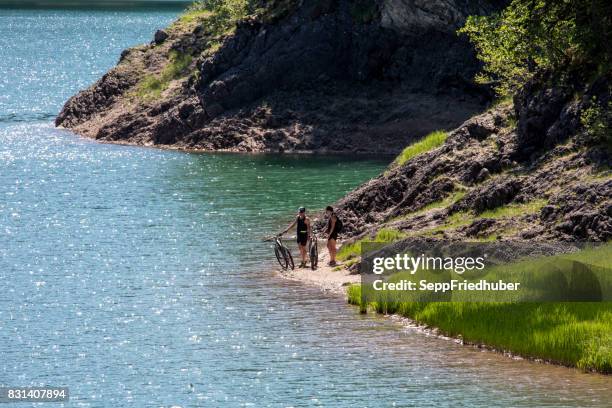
[597, 122]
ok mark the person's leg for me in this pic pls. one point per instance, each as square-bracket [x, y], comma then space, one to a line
[332, 249]
[303, 253]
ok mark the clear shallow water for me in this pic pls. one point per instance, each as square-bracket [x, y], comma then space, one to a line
[136, 278]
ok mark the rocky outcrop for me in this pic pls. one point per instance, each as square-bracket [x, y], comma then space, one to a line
[329, 75]
[496, 177]
[419, 16]
[327, 41]
[582, 211]
[98, 98]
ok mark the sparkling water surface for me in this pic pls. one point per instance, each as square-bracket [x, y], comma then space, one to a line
[136, 277]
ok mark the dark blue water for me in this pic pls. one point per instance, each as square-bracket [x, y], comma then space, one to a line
[136, 277]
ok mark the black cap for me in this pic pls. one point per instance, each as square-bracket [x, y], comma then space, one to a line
[302, 209]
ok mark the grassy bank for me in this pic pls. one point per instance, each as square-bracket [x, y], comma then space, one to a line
[429, 142]
[152, 85]
[577, 334]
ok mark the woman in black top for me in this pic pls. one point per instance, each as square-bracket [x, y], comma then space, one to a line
[303, 233]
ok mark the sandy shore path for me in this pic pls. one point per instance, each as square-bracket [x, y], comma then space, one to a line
[329, 279]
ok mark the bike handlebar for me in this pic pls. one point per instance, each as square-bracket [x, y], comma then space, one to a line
[271, 237]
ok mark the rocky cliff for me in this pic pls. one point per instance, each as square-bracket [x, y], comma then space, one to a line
[326, 75]
[526, 169]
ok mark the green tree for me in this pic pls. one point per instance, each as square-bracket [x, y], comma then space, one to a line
[530, 36]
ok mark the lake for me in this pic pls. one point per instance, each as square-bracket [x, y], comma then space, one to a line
[137, 277]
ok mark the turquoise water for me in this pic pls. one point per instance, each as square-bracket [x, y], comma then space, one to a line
[136, 277]
[48, 55]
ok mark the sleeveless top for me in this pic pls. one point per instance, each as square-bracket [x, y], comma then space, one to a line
[336, 226]
[302, 228]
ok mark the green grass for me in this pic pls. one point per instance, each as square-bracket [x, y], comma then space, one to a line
[445, 202]
[388, 235]
[602, 173]
[348, 251]
[502, 101]
[463, 218]
[576, 334]
[190, 17]
[511, 122]
[429, 142]
[220, 16]
[514, 210]
[353, 250]
[152, 86]
[454, 221]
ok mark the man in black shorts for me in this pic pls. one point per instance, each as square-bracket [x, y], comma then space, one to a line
[334, 225]
[303, 233]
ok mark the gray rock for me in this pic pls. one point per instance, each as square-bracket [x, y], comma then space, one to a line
[423, 15]
[160, 37]
[214, 110]
[483, 175]
[547, 212]
[479, 227]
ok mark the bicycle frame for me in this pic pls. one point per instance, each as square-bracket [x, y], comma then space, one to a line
[283, 254]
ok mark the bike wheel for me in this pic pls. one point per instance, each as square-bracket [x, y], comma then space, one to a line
[314, 257]
[280, 257]
[288, 258]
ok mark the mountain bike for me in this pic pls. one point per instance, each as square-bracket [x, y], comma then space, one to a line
[283, 255]
[313, 252]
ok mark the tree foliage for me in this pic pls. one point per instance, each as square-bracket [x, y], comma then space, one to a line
[597, 122]
[529, 36]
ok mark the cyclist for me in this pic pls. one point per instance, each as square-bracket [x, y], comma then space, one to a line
[303, 233]
[334, 226]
